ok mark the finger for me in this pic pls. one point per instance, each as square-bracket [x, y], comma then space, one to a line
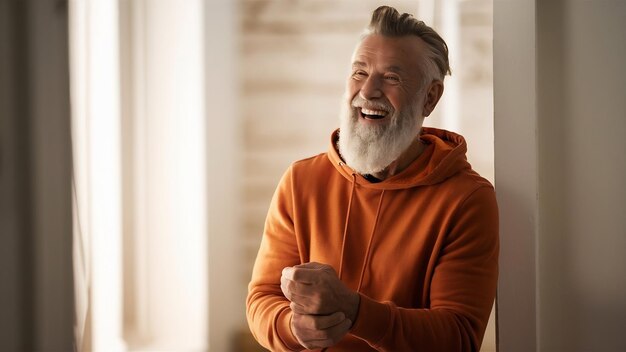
[315, 344]
[337, 331]
[298, 308]
[333, 333]
[318, 338]
[311, 305]
[287, 286]
[292, 286]
[316, 266]
[325, 322]
[322, 322]
[289, 273]
[302, 304]
[302, 275]
[311, 275]
[286, 271]
[294, 273]
[291, 289]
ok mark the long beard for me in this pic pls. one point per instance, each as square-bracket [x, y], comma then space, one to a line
[370, 149]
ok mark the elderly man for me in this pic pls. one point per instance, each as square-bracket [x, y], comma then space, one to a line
[389, 241]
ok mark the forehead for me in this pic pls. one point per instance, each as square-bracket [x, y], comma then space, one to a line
[404, 52]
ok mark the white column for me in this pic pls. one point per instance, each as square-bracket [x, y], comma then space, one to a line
[448, 26]
[226, 299]
[100, 81]
[170, 263]
[560, 113]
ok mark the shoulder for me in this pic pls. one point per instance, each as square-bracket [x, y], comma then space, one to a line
[310, 161]
[465, 188]
[478, 194]
[305, 169]
[309, 176]
[315, 165]
[469, 181]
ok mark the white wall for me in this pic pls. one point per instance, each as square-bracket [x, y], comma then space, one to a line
[515, 171]
[582, 199]
[560, 116]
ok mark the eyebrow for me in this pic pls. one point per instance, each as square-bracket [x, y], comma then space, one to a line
[393, 68]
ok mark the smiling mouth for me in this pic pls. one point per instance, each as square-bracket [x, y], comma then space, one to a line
[373, 114]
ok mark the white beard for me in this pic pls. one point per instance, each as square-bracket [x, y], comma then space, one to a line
[371, 149]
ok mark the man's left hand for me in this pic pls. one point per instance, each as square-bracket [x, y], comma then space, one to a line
[315, 288]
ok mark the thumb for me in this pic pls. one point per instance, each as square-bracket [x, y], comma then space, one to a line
[319, 266]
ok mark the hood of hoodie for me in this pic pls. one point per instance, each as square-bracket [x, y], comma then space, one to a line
[443, 157]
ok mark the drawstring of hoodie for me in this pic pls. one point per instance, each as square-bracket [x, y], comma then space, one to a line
[345, 229]
[345, 233]
[369, 244]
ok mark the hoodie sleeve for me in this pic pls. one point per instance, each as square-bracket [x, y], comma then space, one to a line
[462, 289]
[267, 309]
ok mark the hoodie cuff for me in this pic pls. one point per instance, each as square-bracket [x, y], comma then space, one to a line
[283, 326]
[373, 320]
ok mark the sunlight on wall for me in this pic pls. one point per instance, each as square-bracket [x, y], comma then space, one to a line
[140, 174]
[96, 124]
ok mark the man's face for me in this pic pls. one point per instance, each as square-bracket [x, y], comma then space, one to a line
[384, 109]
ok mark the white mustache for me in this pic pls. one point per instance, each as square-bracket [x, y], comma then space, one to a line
[359, 102]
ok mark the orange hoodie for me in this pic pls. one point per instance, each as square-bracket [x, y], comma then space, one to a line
[420, 247]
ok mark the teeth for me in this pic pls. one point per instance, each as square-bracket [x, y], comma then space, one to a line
[373, 112]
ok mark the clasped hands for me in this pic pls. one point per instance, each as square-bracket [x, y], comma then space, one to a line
[323, 307]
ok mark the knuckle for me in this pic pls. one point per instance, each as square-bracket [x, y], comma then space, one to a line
[296, 308]
[297, 274]
[328, 268]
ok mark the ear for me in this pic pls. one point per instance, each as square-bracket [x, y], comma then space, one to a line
[433, 94]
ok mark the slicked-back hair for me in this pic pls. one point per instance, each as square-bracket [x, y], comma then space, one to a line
[387, 21]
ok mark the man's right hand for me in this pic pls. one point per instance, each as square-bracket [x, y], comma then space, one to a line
[319, 331]
[315, 288]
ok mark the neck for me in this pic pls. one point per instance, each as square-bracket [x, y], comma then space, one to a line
[403, 161]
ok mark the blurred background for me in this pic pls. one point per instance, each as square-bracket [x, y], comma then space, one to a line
[141, 141]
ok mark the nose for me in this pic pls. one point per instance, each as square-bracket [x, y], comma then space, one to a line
[371, 88]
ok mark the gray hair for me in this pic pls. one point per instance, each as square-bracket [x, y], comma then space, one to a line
[389, 22]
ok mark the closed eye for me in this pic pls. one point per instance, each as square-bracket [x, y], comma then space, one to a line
[359, 74]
